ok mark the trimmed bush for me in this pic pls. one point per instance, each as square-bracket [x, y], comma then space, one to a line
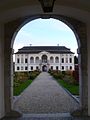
[22, 80]
[56, 74]
[33, 74]
[21, 76]
[69, 72]
[63, 72]
[70, 77]
[76, 76]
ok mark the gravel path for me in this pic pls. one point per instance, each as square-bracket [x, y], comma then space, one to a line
[45, 95]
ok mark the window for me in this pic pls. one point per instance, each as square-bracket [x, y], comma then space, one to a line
[62, 67]
[56, 60]
[31, 60]
[56, 67]
[26, 68]
[62, 60]
[70, 60]
[18, 61]
[66, 60]
[21, 67]
[51, 60]
[51, 67]
[17, 67]
[31, 67]
[37, 68]
[44, 59]
[37, 60]
[70, 67]
[26, 61]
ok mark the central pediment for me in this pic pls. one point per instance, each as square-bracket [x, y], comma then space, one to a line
[44, 52]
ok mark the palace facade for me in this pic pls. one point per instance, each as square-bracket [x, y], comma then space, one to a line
[43, 58]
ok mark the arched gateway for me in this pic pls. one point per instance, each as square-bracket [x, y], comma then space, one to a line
[14, 16]
[44, 63]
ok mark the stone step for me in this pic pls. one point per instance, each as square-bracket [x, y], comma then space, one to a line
[48, 115]
[55, 116]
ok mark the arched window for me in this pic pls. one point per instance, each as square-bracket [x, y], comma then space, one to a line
[56, 59]
[51, 59]
[37, 59]
[32, 60]
[44, 59]
[62, 60]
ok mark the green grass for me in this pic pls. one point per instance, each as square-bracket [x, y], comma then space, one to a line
[73, 89]
[21, 86]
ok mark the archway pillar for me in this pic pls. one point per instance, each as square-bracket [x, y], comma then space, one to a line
[83, 82]
[80, 30]
[88, 40]
[83, 59]
[2, 103]
[8, 78]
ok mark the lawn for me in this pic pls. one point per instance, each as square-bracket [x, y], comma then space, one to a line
[73, 89]
[20, 87]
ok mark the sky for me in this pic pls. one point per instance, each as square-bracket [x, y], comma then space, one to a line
[45, 32]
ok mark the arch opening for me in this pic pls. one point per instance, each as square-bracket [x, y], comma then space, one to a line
[45, 60]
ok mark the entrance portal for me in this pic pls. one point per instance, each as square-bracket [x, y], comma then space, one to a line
[44, 68]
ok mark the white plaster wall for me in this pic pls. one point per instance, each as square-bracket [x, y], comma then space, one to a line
[60, 56]
[2, 111]
[88, 36]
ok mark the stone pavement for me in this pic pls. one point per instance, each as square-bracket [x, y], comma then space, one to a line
[45, 95]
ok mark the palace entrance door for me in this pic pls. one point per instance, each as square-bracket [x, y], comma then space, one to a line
[44, 68]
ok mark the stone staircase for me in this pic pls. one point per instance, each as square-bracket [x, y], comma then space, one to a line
[56, 116]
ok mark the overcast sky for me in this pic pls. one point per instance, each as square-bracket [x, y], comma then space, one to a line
[45, 32]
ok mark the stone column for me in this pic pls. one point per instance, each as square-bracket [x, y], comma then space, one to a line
[80, 30]
[88, 37]
[8, 71]
[2, 102]
[8, 81]
[83, 81]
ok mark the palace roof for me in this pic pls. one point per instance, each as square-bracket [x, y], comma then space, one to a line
[38, 49]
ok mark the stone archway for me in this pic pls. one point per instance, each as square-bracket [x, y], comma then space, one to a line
[78, 28]
[44, 68]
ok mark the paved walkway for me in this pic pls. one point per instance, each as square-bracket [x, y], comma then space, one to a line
[45, 95]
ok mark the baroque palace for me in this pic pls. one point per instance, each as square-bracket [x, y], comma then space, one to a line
[43, 58]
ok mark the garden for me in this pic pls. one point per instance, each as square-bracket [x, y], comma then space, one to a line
[67, 79]
[22, 80]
